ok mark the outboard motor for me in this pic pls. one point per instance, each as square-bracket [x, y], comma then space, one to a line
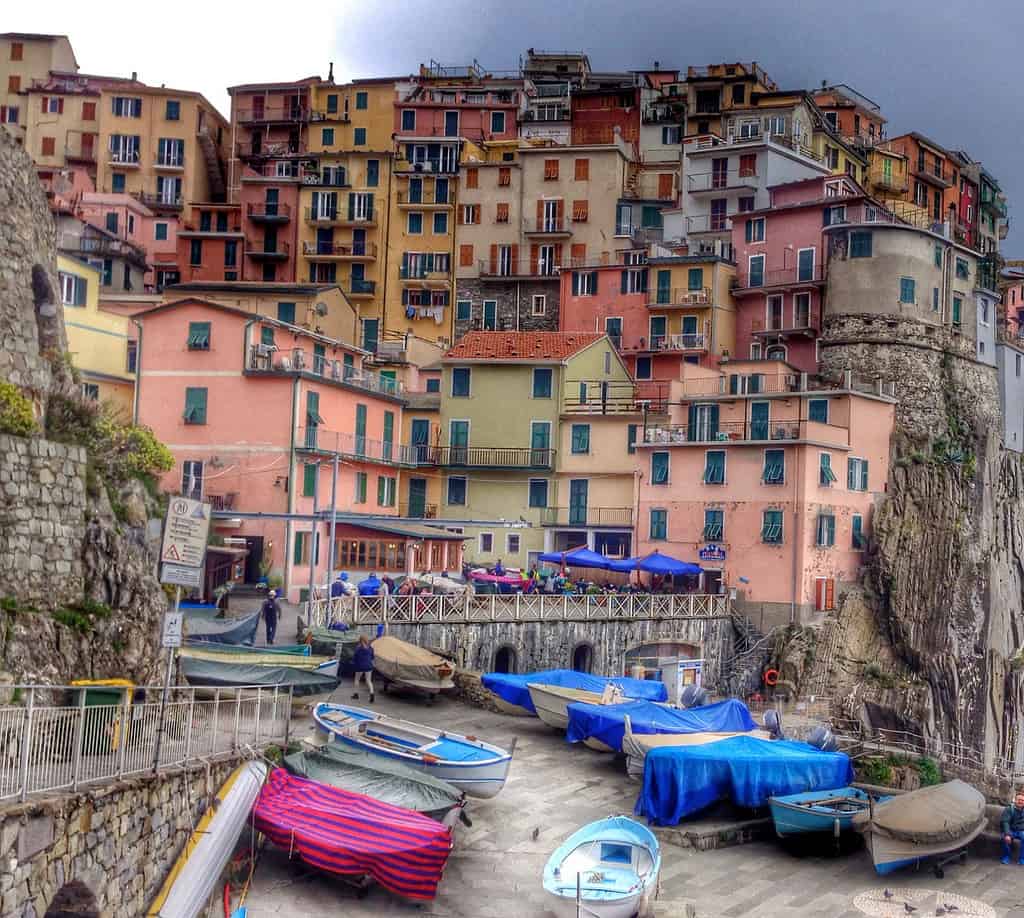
[773, 723]
[823, 738]
[692, 696]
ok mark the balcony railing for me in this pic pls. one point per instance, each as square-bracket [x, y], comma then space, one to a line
[808, 324]
[81, 151]
[268, 359]
[586, 516]
[161, 201]
[279, 252]
[270, 113]
[743, 384]
[337, 217]
[724, 432]
[523, 267]
[268, 213]
[681, 296]
[709, 223]
[424, 199]
[547, 112]
[319, 439]
[169, 162]
[897, 181]
[722, 181]
[419, 272]
[780, 277]
[281, 171]
[100, 245]
[546, 226]
[419, 510]
[601, 397]
[362, 287]
[494, 457]
[444, 165]
[340, 249]
[993, 201]
[123, 157]
[222, 501]
[266, 149]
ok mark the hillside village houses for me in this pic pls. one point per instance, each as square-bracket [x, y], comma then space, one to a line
[456, 316]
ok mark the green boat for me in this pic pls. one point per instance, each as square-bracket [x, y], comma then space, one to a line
[382, 779]
[200, 644]
[308, 686]
[327, 642]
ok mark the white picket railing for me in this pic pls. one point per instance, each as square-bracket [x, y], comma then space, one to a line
[433, 610]
[47, 747]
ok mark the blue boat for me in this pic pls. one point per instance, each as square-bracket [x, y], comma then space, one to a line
[818, 811]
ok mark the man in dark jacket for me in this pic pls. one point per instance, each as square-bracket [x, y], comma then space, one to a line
[1012, 827]
[271, 612]
[362, 663]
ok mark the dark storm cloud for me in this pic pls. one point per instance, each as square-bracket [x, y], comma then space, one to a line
[946, 69]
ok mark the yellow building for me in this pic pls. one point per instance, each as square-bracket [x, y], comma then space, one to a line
[98, 341]
[166, 146]
[25, 57]
[344, 202]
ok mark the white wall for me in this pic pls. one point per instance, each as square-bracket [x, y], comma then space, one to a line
[1011, 395]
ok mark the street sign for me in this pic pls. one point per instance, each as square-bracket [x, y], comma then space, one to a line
[171, 636]
[180, 575]
[711, 553]
[185, 532]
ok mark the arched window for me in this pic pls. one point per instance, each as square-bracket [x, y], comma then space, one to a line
[583, 658]
[505, 660]
[776, 352]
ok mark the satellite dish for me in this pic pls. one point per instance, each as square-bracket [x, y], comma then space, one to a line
[773, 723]
[321, 309]
[692, 696]
[823, 738]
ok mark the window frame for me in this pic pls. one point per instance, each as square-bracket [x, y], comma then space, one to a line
[781, 524]
[537, 374]
[448, 491]
[725, 461]
[662, 524]
[530, 484]
[713, 516]
[585, 451]
[908, 285]
[469, 382]
[774, 482]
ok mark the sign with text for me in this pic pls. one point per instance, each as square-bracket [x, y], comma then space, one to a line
[185, 532]
[171, 636]
[180, 575]
[711, 553]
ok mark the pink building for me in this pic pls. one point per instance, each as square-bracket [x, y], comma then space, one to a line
[780, 258]
[265, 417]
[766, 483]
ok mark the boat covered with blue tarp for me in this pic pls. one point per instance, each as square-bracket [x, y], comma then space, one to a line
[681, 780]
[606, 723]
[514, 689]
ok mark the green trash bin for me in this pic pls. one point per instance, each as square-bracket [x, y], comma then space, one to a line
[102, 730]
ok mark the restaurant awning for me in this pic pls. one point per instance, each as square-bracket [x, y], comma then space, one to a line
[578, 557]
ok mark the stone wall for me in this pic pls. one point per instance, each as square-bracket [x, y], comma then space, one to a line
[514, 304]
[119, 841]
[42, 520]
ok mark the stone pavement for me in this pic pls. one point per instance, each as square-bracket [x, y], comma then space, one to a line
[495, 869]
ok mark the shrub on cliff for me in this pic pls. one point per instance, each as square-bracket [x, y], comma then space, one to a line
[16, 416]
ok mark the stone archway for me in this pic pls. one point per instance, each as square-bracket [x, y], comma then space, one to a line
[505, 659]
[583, 657]
[73, 900]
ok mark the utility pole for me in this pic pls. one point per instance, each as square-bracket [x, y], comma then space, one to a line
[313, 541]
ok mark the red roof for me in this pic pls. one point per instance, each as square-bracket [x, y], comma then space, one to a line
[479, 345]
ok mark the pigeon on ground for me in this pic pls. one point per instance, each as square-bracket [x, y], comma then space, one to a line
[908, 908]
[887, 893]
[951, 908]
[535, 833]
[939, 910]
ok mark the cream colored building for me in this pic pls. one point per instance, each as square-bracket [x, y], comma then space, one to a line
[25, 57]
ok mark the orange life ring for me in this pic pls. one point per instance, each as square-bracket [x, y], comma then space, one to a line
[771, 677]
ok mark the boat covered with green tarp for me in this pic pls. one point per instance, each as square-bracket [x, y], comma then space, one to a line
[305, 684]
[329, 642]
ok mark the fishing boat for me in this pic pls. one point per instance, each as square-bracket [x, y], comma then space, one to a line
[510, 692]
[818, 811]
[188, 887]
[551, 702]
[222, 630]
[307, 686]
[387, 780]
[607, 869]
[216, 647]
[933, 822]
[254, 656]
[478, 768]
[329, 642]
[637, 745]
[411, 667]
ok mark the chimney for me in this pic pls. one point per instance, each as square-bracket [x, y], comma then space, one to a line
[330, 72]
[657, 65]
[135, 76]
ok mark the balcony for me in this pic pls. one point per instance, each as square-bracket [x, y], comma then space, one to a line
[280, 171]
[442, 165]
[547, 112]
[734, 179]
[727, 432]
[490, 457]
[222, 501]
[340, 251]
[276, 114]
[778, 277]
[896, 182]
[993, 201]
[80, 151]
[330, 442]
[681, 296]
[268, 213]
[603, 397]
[708, 223]
[418, 510]
[621, 517]
[123, 159]
[424, 200]
[316, 114]
[337, 218]
[269, 149]
[268, 359]
[808, 325]
[691, 341]
[421, 276]
[161, 201]
[546, 226]
[280, 252]
[362, 289]
[506, 269]
[326, 178]
[936, 175]
[102, 246]
[167, 163]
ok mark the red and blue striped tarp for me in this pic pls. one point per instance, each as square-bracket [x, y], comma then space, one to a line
[341, 832]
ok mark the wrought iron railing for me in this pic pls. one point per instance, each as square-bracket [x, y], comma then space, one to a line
[586, 516]
[681, 296]
[320, 440]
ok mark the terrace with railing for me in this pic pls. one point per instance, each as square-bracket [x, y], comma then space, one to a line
[546, 226]
[268, 212]
[264, 358]
[490, 457]
[267, 149]
[262, 114]
[317, 439]
[747, 431]
[502, 268]
[586, 516]
[340, 250]
[794, 275]
[599, 396]
[685, 341]
[721, 181]
[681, 296]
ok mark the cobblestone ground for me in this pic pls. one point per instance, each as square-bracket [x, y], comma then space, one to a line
[495, 869]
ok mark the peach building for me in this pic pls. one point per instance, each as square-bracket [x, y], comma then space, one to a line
[264, 417]
[767, 483]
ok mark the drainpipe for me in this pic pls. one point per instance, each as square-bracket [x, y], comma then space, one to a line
[138, 372]
[290, 485]
[386, 257]
[334, 521]
[518, 303]
[797, 534]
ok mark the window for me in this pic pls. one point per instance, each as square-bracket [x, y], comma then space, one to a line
[748, 165]
[111, 222]
[550, 170]
[714, 466]
[935, 299]
[49, 146]
[771, 527]
[857, 474]
[132, 356]
[195, 251]
[805, 265]
[745, 204]
[984, 312]
[497, 122]
[581, 170]
[13, 85]
[907, 290]
[192, 479]
[580, 211]
[473, 177]
[584, 283]
[538, 492]
[634, 281]
[504, 176]
[460, 382]
[198, 336]
[659, 524]
[457, 491]
[695, 279]
[17, 50]
[825, 535]
[117, 182]
[833, 216]
[230, 252]
[309, 475]
[434, 384]
[414, 223]
[195, 406]
[860, 244]
[817, 410]
[774, 467]
[958, 306]
[387, 489]
[470, 214]
[172, 110]
[857, 540]
[962, 270]
[539, 304]
[408, 119]
[362, 100]
[359, 137]
[160, 232]
[755, 229]
[938, 256]
[72, 289]
[463, 310]
[512, 543]
[125, 107]
[327, 137]
[267, 335]
[659, 468]
[671, 134]
[91, 391]
[465, 256]
[580, 439]
[542, 382]
[644, 368]
[755, 275]
[714, 525]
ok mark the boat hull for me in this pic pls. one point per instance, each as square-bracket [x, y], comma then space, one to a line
[552, 703]
[817, 811]
[892, 854]
[635, 904]
[506, 707]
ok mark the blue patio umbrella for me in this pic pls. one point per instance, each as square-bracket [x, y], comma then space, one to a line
[657, 563]
[625, 566]
[578, 557]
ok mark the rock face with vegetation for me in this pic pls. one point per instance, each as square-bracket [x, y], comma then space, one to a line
[78, 507]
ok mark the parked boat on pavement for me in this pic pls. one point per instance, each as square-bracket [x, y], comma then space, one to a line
[819, 811]
[411, 667]
[307, 686]
[551, 702]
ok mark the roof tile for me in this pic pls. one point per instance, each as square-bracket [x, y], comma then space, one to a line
[479, 345]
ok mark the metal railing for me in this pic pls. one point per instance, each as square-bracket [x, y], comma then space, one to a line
[681, 296]
[320, 440]
[123, 157]
[336, 216]
[268, 148]
[609, 397]
[158, 201]
[421, 272]
[221, 501]
[892, 180]
[432, 610]
[340, 249]
[359, 287]
[787, 325]
[722, 181]
[100, 245]
[264, 211]
[169, 161]
[756, 431]
[586, 516]
[55, 741]
[274, 113]
[404, 197]
[427, 165]
[775, 277]
[265, 358]
[419, 511]
[675, 342]
[543, 225]
[495, 457]
[709, 223]
[521, 267]
[281, 250]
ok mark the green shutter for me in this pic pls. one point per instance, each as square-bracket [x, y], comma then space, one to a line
[267, 335]
[664, 286]
[199, 336]
[857, 532]
[309, 471]
[297, 552]
[623, 281]
[380, 490]
[851, 474]
[195, 406]
[631, 431]
[360, 487]
[360, 429]
[695, 279]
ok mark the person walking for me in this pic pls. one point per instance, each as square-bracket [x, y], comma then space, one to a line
[271, 611]
[1012, 826]
[362, 662]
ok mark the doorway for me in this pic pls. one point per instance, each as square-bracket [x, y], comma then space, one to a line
[583, 658]
[505, 660]
[254, 560]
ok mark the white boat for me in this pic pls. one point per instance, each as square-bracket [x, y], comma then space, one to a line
[637, 745]
[552, 701]
[479, 769]
[607, 869]
[187, 889]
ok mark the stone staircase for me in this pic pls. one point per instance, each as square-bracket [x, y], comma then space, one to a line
[750, 649]
[214, 170]
[832, 638]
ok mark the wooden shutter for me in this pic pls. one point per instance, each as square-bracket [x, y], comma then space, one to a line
[582, 170]
[578, 252]
[559, 249]
[580, 211]
[665, 185]
[504, 175]
[45, 103]
[460, 215]
[494, 258]
[466, 256]
[473, 178]
[60, 106]
[540, 213]
[560, 212]
[830, 593]
[502, 212]
[534, 259]
[88, 111]
[515, 259]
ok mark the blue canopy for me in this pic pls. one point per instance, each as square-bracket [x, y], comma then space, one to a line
[656, 563]
[607, 722]
[577, 557]
[511, 687]
[680, 780]
[625, 565]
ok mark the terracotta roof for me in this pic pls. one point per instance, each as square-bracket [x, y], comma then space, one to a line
[480, 345]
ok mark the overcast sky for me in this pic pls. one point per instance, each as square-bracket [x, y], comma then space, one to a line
[946, 68]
